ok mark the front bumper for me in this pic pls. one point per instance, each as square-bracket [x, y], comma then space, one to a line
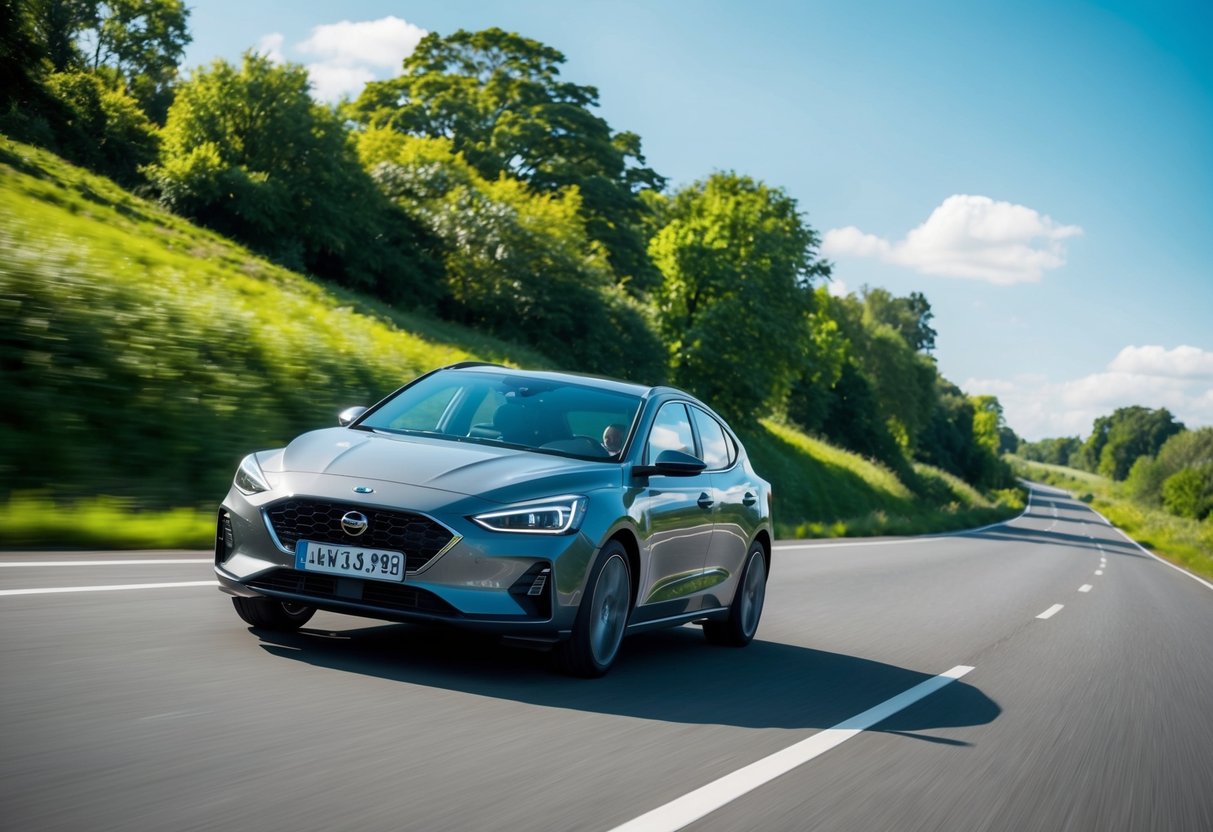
[517, 585]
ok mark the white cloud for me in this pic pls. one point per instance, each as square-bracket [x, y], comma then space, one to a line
[837, 288]
[271, 46]
[348, 54]
[331, 83]
[381, 43]
[1153, 377]
[1181, 362]
[971, 237]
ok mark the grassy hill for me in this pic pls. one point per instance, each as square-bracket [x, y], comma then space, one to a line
[142, 356]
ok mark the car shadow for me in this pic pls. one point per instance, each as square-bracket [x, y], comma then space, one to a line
[670, 676]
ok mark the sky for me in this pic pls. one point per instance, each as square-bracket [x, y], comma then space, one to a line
[1041, 171]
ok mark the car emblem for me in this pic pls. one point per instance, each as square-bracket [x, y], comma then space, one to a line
[354, 523]
[363, 489]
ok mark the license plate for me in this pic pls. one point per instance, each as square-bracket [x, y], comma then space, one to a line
[351, 561]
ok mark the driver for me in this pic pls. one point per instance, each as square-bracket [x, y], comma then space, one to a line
[612, 439]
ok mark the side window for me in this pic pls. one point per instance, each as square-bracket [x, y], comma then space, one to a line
[715, 442]
[671, 432]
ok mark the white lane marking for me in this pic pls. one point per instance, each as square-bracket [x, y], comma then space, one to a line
[56, 589]
[1098, 571]
[1164, 562]
[157, 562]
[1085, 588]
[1052, 611]
[694, 805]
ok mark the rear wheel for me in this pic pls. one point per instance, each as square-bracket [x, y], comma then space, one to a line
[739, 628]
[271, 614]
[602, 618]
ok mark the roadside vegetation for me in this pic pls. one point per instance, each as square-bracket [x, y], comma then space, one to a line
[240, 262]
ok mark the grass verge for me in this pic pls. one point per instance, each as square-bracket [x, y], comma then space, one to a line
[34, 521]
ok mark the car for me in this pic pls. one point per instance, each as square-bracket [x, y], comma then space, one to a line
[554, 510]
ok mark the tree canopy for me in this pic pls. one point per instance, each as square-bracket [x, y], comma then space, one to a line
[249, 153]
[737, 261]
[499, 99]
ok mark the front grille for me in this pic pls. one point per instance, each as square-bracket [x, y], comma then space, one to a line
[371, 593]
[420, 538]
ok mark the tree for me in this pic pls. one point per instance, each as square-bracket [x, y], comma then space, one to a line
[135, 45]
[1118, 440]
[249, 153]
[102, 128]
[1186, 449]
[737, 261]
[1055, 451]
[516, 262]
[1189, 492]
[499, 99]
[142, 42]
[909, 316]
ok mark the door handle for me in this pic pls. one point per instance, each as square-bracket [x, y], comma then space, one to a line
[705, 501]
[749, 499]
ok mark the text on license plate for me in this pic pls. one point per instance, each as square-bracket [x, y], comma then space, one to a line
[334, 559]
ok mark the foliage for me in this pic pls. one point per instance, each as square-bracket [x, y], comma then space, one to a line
[101, 128]
[909, 316]
[248, 153]
[1118, 440]
[737, 261]
[517, 263]
[1189, 492]
[499, 99]
[1055, 451]
[142, 43]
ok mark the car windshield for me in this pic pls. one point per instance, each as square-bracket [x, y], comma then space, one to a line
[541, 414]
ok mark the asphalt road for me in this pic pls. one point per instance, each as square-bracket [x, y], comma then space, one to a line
[155, 708]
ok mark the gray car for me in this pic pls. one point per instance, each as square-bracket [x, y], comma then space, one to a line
[555, 510]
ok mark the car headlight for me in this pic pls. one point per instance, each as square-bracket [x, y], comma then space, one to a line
[560, 515]
[249, 477]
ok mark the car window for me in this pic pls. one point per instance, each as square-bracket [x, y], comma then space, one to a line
[671, 432]
[712, 437]
[538, 413]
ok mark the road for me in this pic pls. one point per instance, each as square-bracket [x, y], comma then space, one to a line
[152, 707]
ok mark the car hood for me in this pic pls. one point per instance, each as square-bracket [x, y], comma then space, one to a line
[499, 474]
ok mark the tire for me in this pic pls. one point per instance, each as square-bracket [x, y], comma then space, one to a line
[271, 614]
[602, 618]
[744, 613]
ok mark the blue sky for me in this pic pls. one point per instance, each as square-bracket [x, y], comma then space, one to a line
[1042, 172]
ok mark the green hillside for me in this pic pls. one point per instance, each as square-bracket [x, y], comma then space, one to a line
[143, 356]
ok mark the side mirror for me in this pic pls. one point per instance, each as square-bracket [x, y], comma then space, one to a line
[345, 417]
[672, 464]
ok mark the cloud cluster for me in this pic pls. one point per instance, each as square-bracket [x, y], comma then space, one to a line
[972, 237]
[1179, 379]
[345, 56]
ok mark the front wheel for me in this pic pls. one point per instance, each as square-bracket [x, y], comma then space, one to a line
[602, 618]
[739, 628]
[270, 614]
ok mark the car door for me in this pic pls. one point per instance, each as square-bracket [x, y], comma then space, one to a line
[737, 509]
[678, 519]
